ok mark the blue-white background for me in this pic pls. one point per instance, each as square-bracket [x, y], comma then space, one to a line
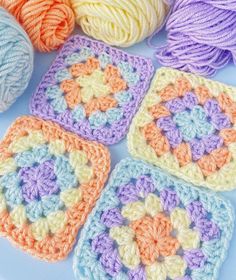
[17, 265]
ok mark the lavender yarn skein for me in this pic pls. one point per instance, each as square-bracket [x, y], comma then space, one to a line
[16, 60]
[201, 36]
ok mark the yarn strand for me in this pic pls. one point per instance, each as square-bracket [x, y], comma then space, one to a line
[201, 36]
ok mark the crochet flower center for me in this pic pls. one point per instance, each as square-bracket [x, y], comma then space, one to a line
[38, 181]
[153, 236]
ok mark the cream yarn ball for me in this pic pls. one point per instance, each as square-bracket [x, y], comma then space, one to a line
[120, 22]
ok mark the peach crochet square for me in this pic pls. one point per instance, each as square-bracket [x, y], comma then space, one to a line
[49, 182]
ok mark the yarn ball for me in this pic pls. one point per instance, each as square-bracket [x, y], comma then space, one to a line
[47, 22]
[16, 60]
[120, 22]
[201, 36]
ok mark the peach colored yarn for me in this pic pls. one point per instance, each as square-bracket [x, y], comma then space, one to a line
[47, 22]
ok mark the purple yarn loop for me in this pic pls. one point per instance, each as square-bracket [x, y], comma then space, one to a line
[201, 36]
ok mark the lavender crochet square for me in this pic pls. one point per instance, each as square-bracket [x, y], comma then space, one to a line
[93, 90]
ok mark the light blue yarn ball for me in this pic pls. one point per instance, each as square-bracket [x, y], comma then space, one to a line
[16, 60]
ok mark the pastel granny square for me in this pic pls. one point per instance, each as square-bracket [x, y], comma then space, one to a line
[93, 90]
[49, 182]
[149, 225]
[187, 126]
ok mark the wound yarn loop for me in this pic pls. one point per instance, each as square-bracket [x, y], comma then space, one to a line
[48, 22]
[16, 60]
[120, 22]
[201, 36]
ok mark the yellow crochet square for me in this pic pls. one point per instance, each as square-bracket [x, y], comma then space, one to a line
[187, 126]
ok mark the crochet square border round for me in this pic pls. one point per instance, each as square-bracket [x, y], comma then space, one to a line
[149, 225]
[187, 126]
[93, 90]
[50, 180]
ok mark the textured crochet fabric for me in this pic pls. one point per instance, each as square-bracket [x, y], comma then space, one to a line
[186, 125]
[49, 181]
[93, 90]
[149, 225]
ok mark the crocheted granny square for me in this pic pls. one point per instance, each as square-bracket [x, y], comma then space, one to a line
[149, 225]
[49, 181]
[187, 125]
[93, 90]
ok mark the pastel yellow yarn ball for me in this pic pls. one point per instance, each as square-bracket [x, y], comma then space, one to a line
[120, 22]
